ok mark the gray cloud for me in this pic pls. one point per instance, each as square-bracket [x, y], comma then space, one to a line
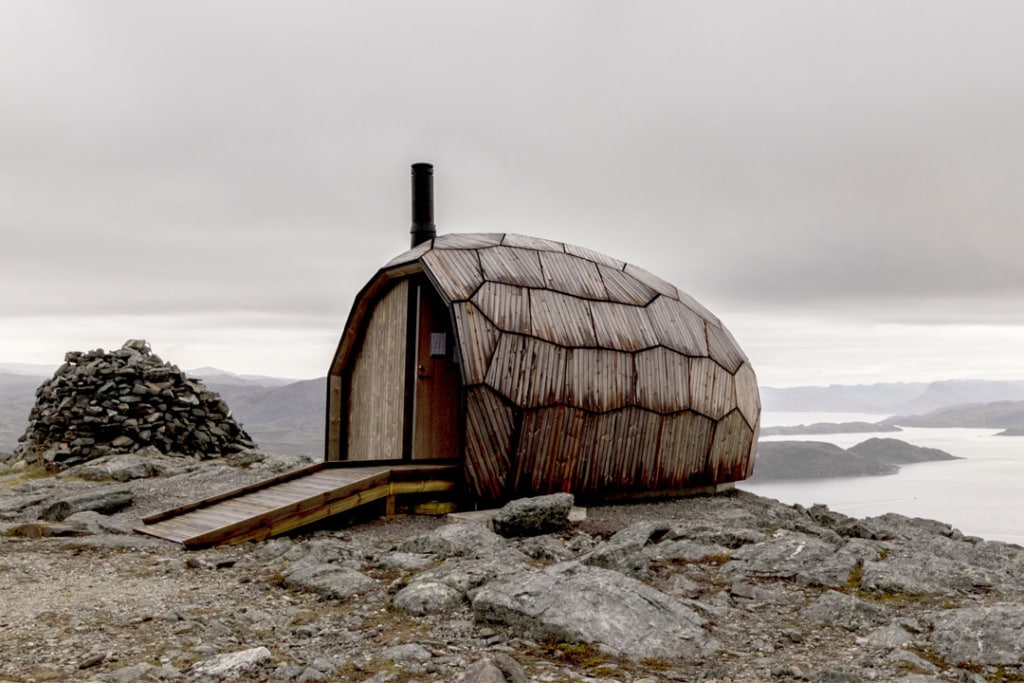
[252, 156]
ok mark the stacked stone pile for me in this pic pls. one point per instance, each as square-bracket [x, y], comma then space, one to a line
[124, 401]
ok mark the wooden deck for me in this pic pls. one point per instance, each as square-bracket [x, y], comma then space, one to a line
[296, 499]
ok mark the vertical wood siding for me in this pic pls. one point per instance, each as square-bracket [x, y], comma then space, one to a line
[685, 451]
[712, 389]
[478, 341]
[723, 349]
[507, 306]
[550, 447]
[621, 327]
[730, 449]
[678, 327]
[457, 272]
[377, 394]
[625, 289]
[662, 380]
[527, 371]
[510, 266]
[489, 426]
[571, 275]
[599, 380]
[561, 319]
[748, 400]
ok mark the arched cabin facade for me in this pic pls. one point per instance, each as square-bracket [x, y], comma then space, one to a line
[542, 367]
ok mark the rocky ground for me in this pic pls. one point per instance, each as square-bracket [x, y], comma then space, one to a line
[727, 588]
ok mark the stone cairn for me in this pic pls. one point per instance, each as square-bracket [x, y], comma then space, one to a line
[125, 401]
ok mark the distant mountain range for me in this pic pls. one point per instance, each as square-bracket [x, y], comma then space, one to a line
[890, 398]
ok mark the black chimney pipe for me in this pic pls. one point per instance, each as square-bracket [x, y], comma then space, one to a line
[422, 203]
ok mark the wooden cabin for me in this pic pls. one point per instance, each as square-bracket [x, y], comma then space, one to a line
[541, 367]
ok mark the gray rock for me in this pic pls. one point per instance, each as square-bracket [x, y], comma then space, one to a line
[573, 602]
[427, 597]
[130, 674]
[329, 580]
[980, 635]
[548, 548]
[623, 552]
[233, 663]
[845, 611]
[466, 574]
[105, 501]
[405, 561]
[534, 516]
[95, 523]
[496, 668]
[453, 540]
[784, 556]
[406, 653]
[891, 636]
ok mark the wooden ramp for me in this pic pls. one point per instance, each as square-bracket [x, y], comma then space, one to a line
[295, 499]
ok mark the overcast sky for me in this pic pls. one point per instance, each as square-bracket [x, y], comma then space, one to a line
[841, 182]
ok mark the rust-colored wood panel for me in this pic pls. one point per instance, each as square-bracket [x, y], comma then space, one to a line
[456, 272]
[619, 453]
[527, 242]
[662, 380]
[572, 275]
[748, 399]
[507, 306]
[550, 446]
[624, 288]
[409, 256]
[678, 327]
[595, 256]
[468, 240]
[561, 319]
[730, 450]
[477, 339]
[376, 401]
[511, 266]
[599, 380]
[723, 348]
[489, 424]
[684, 451]
[622, 327]
[712, 388]
[436, 392]
[652, 281]
[527, 371]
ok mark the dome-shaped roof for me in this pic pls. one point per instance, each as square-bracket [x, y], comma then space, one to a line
[628, 381]
[620, 335]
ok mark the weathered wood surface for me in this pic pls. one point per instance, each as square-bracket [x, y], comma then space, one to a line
[293, 500]
[598, 375]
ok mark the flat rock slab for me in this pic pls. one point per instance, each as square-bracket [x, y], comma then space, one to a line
[572, 602]
[104, 501]
[233, 663]
[330, 580]
[992, 636]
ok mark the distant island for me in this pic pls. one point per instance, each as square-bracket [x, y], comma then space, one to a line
[1008, 415]
[830, 428]
[787, 460]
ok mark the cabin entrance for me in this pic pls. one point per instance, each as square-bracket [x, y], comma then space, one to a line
[402, 393]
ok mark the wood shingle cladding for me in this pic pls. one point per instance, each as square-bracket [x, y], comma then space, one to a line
[579, 372]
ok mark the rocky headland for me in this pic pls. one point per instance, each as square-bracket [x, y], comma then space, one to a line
[733, 587]
[791, 460]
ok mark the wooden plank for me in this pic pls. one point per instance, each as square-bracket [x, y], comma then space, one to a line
[561, 319]
[413, 254]
[697, 307]
[625, 289]
[599, 380]
[528, 372]
[507, 306]
[571, 275]
[748, 400]
[678, 327]
[334, 419]
[376, 402]
[684, 451]
[527, 242]
[509, 266]
[723, 348]
[549, 450]
[468, 240]
[652, 281]
[622, 327]
[489, 425]
[210, 500]
[731, 448]
[662, 380]
[478, 338]
[712, 388]
[595, 256]
[455, 271]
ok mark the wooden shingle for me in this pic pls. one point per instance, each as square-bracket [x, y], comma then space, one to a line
[479, 337]
[662, 380]
[622, 327]
[678, 327]
[527, 371]
[511, 266]
[507, 306]
[572, 275]
[561, 319]
[456, 271]
[599, 380]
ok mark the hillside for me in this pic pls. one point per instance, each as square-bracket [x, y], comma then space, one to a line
[890, 398]
[790, 460]
[995, 415]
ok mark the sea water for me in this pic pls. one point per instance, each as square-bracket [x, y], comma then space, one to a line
[981, 495]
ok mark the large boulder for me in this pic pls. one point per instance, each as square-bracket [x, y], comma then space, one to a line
[534, 516]
[576, 603]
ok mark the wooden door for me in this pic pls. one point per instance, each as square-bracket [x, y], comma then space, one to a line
[435, 396]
